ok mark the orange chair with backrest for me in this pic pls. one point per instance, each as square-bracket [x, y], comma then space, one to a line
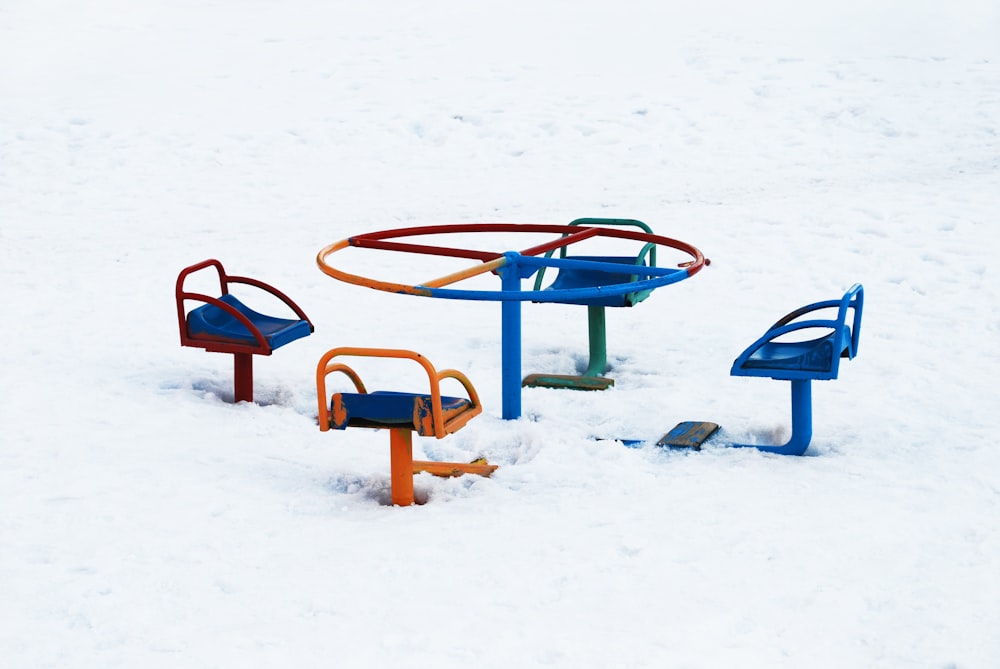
[429, 414]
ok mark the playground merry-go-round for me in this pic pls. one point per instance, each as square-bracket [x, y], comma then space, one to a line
[806, 344]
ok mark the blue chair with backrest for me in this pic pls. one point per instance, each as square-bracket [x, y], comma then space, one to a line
[801, 347]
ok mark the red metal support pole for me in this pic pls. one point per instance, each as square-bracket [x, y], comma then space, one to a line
[243, 377]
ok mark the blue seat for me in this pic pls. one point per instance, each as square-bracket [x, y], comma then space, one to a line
[814, 352]
[390, 409]
[213, 322]
[584, 278]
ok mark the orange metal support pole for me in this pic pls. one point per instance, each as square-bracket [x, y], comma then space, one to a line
[401, 467]
[243, 377]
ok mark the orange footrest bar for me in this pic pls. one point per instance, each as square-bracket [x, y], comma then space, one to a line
[452, 469]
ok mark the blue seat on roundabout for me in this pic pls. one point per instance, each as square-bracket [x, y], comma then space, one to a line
[584, 278]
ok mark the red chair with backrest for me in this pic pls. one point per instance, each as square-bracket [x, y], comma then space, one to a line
[224, 324]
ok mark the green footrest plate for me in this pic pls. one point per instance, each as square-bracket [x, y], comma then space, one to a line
[568, 381]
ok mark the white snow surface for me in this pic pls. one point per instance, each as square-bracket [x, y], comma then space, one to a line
[147, 521]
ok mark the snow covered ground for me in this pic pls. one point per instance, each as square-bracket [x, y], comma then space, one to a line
[146, 521]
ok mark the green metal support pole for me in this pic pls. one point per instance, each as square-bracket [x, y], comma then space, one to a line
[598, 341]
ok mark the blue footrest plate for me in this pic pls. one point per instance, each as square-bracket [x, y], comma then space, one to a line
[689, 434]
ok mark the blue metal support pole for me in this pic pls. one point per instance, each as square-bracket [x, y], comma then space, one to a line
[510, 336]
[802, 417]
[802, 428]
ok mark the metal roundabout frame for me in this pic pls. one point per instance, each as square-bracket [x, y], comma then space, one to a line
[512, 267]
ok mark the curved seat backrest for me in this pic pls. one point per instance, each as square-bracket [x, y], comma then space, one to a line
[817, 358]
[854, 299]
